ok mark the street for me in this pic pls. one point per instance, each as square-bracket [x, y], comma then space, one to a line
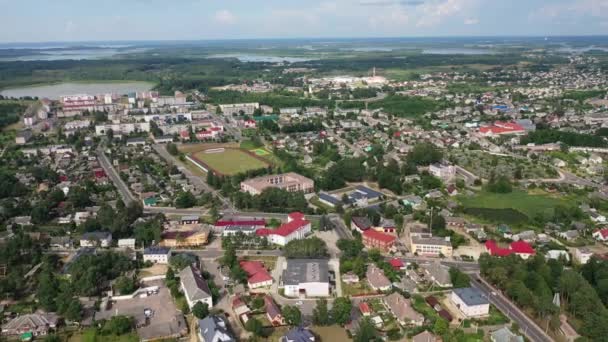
[124, 191]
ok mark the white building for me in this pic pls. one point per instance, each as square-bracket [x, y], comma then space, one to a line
[157, 255]
[122, 128]
[237, 108]
[582, 255]
[126, 243]
[443, 171]
[306, 278]
[296, 228]
[470, 302]
[96, 239]
[194, 287]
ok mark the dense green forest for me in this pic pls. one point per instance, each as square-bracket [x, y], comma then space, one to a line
[9, 112]
[546, 136]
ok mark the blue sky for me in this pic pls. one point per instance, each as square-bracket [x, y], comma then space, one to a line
[83, 20]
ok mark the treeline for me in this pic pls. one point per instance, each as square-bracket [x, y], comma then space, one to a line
[9, 113]
[546, 136]
[531, 285]
[309, 126]
[271, 200]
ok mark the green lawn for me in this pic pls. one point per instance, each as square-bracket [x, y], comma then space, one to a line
[230, 162]
[526, 203]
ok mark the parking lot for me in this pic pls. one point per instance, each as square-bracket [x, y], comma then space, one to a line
[163, 319]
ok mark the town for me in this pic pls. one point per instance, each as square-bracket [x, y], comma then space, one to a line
[464, 205]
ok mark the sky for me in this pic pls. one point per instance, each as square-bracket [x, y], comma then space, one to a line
[87, 20]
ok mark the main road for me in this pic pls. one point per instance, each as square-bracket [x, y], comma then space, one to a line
[122, 187]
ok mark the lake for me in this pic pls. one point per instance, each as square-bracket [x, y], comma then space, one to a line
[262, 58]
[71, 54]
[54, 91]
[457, 51]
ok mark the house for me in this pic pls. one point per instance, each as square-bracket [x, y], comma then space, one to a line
[360, 223]
[386, 226]
[565, 329]
[528, 236]
[365, 309]
[519, 248]
[402, 309]
[426, 336]
[382, 241]
[157, 255]
[453, 221]
[601, 235]
[257, 273]
[163, 139]
[190, 219]
[60, 242]
[194, 287]
[240, 308]
[443, 171]
[350, 278]
[431, 246]
[597, 217]
[220, 225]
[306, 278]
[470, 302]
[273, 312]
[188, 238]
[96, 239]
[298, 334]
[407, 284]
[505, 335]
[397, 264]
[582, 255]
[558, 254]
[214, 329]
[413, 201]
[126, 243]
[376, 278]
[438, 274]
[296, 228]
[36, 324]
[23, 137]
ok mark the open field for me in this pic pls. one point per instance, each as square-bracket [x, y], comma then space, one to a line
[191, 148]
[518, 201]
[229, 161]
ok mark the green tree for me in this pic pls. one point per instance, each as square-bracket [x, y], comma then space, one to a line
[292, 315]
[172, 149]
[254, 326]
[185, 199]
[125, 285]
[340, 311]
[320, 314]
[366, 332]
[200, 310]
[117, 325]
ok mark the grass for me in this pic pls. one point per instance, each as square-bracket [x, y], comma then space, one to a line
[331, 333]
[91, 335]
[269, 261]
[355, 289]
[249, 145]
[528, 204]
[230, 162]
[260, 152]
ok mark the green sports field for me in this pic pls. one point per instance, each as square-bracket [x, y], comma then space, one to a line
[230, 161]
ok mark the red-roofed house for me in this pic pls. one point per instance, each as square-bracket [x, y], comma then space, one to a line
[365, 309]
[601, 234]
[382, 241]
[220, 225]
[184, 135]
[296, 228]
[249, 124]
[273, 313]
[502, 128]
[397, 264]
[520, 248]
[258, 275]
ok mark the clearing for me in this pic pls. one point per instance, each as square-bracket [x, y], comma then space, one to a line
[229, 161]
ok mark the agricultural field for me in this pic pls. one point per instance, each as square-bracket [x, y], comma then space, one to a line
[511, 208]
[229, 161]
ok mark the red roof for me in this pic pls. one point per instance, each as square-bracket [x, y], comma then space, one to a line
[174, 234]
[517, 247]
[500, 127]
[374, 235]
[396, 263]
[227, 223]
[184, 134]
[287, 228]
[256, 271]
[296, 216]
[263, 232]
[521, 247]
[604, 233]
[364, 308]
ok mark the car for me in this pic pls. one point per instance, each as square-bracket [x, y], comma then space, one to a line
[299, 302]
[493, 293]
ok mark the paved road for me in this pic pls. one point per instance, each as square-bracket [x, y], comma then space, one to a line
[122, 187]
[340, 228]
[526, 325]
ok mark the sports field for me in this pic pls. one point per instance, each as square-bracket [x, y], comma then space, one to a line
[229, 161]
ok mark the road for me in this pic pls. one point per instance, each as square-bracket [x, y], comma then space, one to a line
[341, 229]
[196, 180]
[526, 325]
[122, 187]
[353, 148]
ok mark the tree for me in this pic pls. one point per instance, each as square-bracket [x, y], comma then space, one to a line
[117, 325]
[185, 199]
[254, 326]
[125, 285]
[341, 310]
[200, 310]
[459, 278]
[172, 149]
[312, 248]
[320, 314]
[292, 315]
[74, 311]
[424, 154]
[366, 332]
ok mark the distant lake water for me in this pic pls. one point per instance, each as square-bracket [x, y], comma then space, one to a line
[54, 91]
[457, 51]
[262, 58]
[71, 54]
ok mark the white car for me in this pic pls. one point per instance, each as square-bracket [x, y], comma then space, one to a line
[299, 302]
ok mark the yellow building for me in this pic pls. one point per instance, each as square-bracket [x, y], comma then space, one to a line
[434, 246]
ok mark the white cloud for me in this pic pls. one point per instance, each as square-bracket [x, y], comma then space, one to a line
[434, 12]
[471, 21]
[225, 17]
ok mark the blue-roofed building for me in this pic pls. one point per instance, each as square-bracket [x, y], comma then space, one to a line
[363, 195]
[214, 329]
[328, 199]
[298, 334]
[369, 193]
[470, 301]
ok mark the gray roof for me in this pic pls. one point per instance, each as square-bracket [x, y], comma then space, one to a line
[505, 335]
[34, 321]
[214, 329]
[156, 250]
[471, 296]
[431, 241]
[195, 286]
[299, 334]
[440, 273]
[306, 271]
